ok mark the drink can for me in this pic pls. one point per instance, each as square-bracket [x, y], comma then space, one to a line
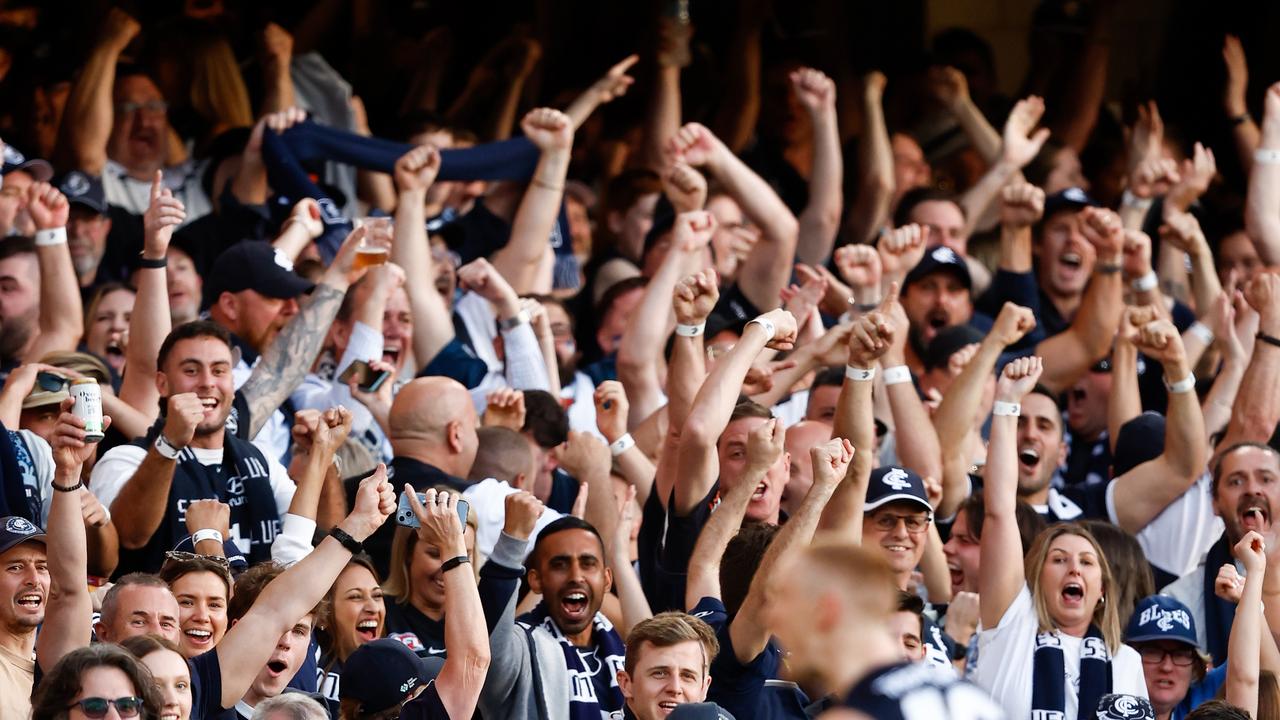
[88, 407]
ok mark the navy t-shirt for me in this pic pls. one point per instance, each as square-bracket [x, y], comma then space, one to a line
[206, 686]
[419, 633]
[914, 691]
[749, 689]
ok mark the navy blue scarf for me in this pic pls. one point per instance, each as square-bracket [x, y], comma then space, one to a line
[584, 703]
[1218, 613]
[1048, 671]
[15, 500]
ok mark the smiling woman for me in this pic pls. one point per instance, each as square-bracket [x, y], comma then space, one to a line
[354, 615]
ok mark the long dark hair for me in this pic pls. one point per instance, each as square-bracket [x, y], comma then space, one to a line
[63, 682]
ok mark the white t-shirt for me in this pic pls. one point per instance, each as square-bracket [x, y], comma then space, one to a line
[488, 499]
[1009, 649]
[118, 465]
[135, 195]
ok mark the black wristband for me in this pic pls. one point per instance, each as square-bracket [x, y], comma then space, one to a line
[67, 488]
[153, 264]
[1269, 339]
[348, 542]
[452, 563]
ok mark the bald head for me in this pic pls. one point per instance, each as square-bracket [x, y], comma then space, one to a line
[801, 437]
[432, 420]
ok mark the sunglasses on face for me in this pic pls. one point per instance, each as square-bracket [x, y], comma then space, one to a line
[51, 382]
[96, 707]
[1156, 655]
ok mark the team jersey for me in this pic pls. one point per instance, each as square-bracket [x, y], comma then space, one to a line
[914, 691]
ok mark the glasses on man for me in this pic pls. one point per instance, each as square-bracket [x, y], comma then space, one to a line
[1154, 655]
[96, 707]
[914, 523]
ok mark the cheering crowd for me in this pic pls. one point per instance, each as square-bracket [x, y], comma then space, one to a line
[732, 383]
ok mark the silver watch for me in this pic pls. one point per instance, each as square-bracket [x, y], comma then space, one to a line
[166, 449]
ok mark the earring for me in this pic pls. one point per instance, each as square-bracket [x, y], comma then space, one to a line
[1102, 599]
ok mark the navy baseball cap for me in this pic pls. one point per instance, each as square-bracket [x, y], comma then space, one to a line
[16, 530]
[85, 190]
[1160, 617]
[1115, 706]
[236, 561]
[700, 711]
[947, 342]
[255, 265]
[940, 258]
[39, 169]
[893, 484]
[381, 674]
[1073, 198]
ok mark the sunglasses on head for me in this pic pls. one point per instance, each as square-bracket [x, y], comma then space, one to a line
[51, 382]
[96, 707]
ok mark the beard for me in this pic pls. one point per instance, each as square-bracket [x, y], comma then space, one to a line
[15, 333]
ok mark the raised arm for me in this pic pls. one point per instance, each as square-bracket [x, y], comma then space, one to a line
[870, 210]
[1020, 144]
[764, 448]
[465, 633]
[1001, 577]
[697, 462]
[317, 436]
[640, 351]
[89, 112]
[433, 324]
[61, 313]
[1245, 644]
[960, 406]
[1262, 205]
[276, 54]
[1181, 231]
[611, 420]
[749, 630]
[1143, 492]
[820, 219]
[869, 340]
[139, 507]
[1257, 406]
[69, 610]
[611, 86]
[662, 114]
[1222, 395]
[1021, 206]
[768, 268]
[289, 357]
[951, 88]
[249, 643]
[626, 581]
[692, 300]
[518, 260]
[1070, 353]
[150, 322]
[1244, 129]
[917, 442]
[1125, 403]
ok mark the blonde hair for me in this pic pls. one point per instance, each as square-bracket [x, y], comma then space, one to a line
[1105, 615]
[397, 584]
[860, 574]
[218, 92]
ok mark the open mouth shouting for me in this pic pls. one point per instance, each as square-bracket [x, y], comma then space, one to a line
[957, 575]
[1028, 460]
[367, 630]
[390, 353]
[1073, 595]
[759, 494]
[1253, 512]
[30, 601]
[115, 349]
[277, 666]
[575, 604]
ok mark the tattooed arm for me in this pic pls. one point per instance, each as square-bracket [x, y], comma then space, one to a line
[290, 356]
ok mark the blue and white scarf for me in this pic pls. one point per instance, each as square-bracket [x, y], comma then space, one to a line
[1048, 673]
[607, 655]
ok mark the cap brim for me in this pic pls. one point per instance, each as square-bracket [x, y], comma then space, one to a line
[41, 170]
[100, 208]
[15, 542]
[286, 285]
[880, 502]
[1158, 637]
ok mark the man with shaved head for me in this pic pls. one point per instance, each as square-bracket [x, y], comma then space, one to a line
[830, 606]
[432, 429]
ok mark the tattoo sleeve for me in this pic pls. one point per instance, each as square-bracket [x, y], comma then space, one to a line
[289, 358]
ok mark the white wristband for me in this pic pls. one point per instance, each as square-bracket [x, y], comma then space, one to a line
[897, 374]
[767, 324]
[622, 444]
[858, 374]
[1266, 156]
[1128, 199]
[1185, 385]
[205, 534]
[1202, 332]
[1145, 283]
[691, 330]
[1009, 409]
[50, 237]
